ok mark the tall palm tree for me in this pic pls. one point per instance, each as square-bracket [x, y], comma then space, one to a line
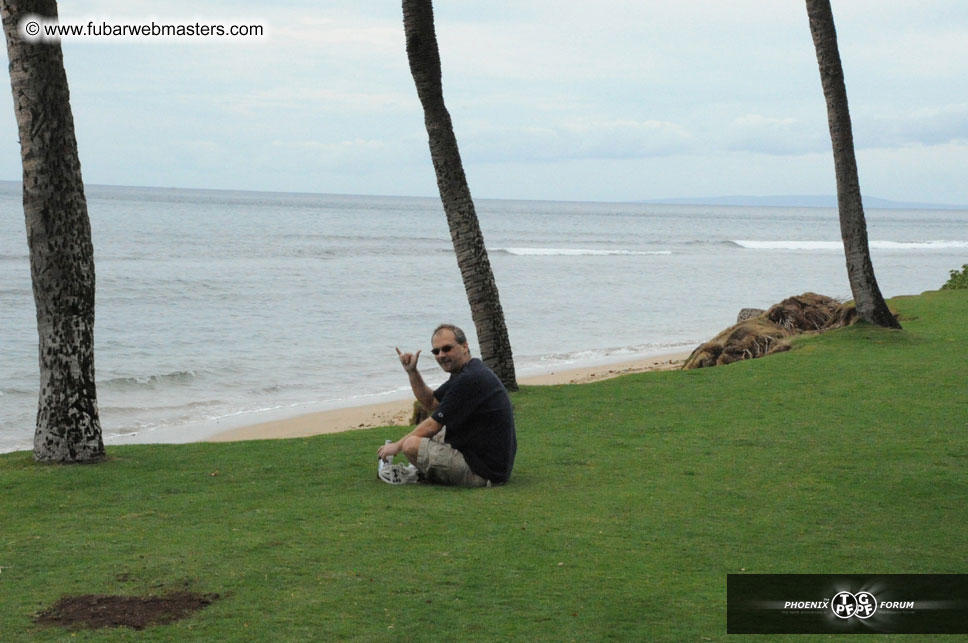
[853, 226]
[59, 236]
[465, 231]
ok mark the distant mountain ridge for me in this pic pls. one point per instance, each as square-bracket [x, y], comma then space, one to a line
[777, 200]
[803, 201]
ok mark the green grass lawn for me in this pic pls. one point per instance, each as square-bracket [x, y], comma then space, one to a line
[631, 501]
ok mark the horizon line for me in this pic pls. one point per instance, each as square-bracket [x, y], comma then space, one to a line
[735, 200]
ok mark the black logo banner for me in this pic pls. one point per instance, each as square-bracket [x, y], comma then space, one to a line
[847, 604]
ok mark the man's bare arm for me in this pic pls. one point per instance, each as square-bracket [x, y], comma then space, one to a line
[423, 393]
[426, 429]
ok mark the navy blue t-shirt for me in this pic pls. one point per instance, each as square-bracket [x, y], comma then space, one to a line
[476, 409]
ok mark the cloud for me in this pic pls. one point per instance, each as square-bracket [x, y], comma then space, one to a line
[551, 95]
[581, 139]
[345, 155]
[576, 139]
[771, 135]
[346, 33]
[925, 126]
[326, 100]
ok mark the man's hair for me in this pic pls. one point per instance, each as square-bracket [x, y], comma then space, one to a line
[458, 333]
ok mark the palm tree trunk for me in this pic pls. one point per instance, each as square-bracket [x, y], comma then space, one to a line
[59, 236]
[853, 226]
[465, 231]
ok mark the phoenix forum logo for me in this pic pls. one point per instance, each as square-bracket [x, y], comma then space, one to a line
[860, 605]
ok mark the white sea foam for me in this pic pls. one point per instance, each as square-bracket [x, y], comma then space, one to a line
[176, 377]
[839, 246]
[575, 252]
[534, 365]
[919, 245]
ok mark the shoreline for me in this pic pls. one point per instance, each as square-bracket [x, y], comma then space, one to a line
[392, 409]
[398, 412]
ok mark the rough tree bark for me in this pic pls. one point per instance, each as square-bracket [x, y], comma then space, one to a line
[59, 236]
[870, 303]
[465, 231]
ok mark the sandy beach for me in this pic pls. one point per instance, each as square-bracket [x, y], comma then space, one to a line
[398, 412]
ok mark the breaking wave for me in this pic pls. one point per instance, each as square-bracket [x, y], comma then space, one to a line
[150, 381]
[837, 245]
[573, 252]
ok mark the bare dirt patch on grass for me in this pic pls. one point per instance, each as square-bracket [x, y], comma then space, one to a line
[94, 611]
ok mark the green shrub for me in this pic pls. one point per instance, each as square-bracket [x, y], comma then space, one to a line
[958, 280]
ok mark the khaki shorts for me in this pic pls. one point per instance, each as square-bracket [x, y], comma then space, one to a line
[443, 464]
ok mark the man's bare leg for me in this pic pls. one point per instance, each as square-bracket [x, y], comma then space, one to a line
[410, 448]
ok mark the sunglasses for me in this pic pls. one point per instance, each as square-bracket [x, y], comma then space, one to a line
[442, 349]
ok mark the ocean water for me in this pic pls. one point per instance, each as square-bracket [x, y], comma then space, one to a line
[218, 309]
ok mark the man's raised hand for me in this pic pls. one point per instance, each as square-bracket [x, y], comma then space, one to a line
[409, 360]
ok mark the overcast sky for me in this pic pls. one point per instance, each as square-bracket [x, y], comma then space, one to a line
[551, 99]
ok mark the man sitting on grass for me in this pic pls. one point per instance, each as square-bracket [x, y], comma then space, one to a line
[469, 438]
